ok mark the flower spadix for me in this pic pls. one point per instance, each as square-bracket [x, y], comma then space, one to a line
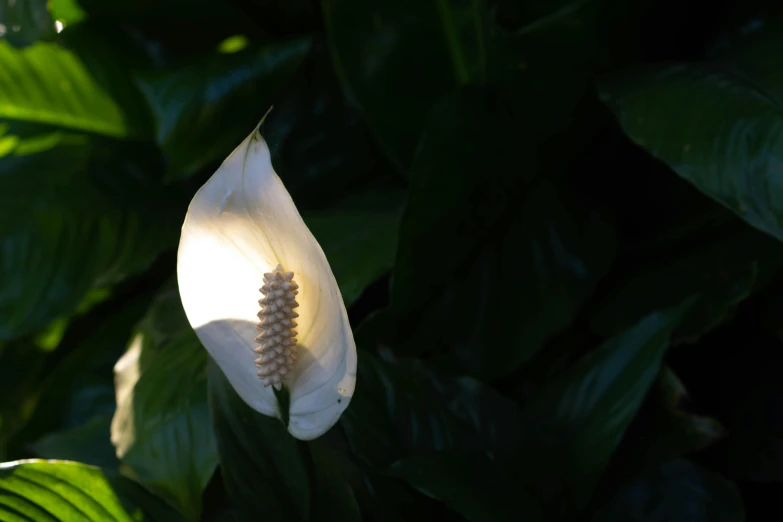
[260, 294]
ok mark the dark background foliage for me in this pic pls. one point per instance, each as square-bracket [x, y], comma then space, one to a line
[556, 226]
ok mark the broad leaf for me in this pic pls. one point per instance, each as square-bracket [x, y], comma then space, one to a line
[360, 257]
[524, 289]
[92, 216]
[677, 490]
[471, 485]
[48, 84]
[203, 110]
[715, 129]
[397, 59]
[263, 467]
[159, 427]
[59, 490]
[577, 420]
[89, 443]
[470, 162]
[25, 22]
[722, 274]
[404, 409]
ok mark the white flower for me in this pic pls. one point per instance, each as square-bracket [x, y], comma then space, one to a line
[241, 225]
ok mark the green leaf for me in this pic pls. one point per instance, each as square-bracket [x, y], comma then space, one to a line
[525, 288]
[78, 388]
[25, 22]
[578, 419]
[469, 163]
[59, 490]
[47, 84]
[359, 258]
[264, 469]
[93, 215]
[67, 11]
[471, 485]
[203, 110]
[722, 274]
[754, 56]
[396, 59]
[333, 498]
[549, 65]
[715, 129]
[405, 408]
[319, 142]
[677, 490]
[159, 427]
[89, 443]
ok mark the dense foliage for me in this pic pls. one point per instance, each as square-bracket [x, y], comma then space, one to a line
[548, 220]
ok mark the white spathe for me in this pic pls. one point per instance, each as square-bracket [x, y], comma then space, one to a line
[241, 224]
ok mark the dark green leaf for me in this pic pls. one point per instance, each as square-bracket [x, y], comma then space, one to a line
[576, 422]
[92, 216]
[471, 485]
[89, 443]
[264, 468]
[25, 22]
[715, 129]
[525, 289]
[59, 491]
[204, 110]
[333, 498]
[722, 274]
[402, 408]
[319, 142]
[397, 59]
[159, 428]
[755, 57]
[360, 257]
[470, 161]
[80, 387]
[678, 490]
[549, 65]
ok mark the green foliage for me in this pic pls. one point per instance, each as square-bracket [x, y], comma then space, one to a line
[556, 228]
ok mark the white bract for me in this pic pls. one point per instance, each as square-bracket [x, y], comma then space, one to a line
[241, 225]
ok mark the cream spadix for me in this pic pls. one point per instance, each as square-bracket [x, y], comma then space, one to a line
[260, 294]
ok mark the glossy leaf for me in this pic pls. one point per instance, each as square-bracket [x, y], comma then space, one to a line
[471, 485]
[89, 443]
[715, 129]
[333, 498]
[723, 274]
[85, 224]
[469, 163]
[25, 22]
[319, 142]
[162, 410]
[359, 258]
[677, 490]
[227, 92]
[576, 421]
[60, 490]
[404, 408]
[549, 63]
[397, 59]
[47, 84]
[263, 467]
[526, 289]
[79, 390]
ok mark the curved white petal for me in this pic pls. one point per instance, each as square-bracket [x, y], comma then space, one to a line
[241, 224]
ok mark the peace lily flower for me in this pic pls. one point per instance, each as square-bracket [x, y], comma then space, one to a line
[258, 291]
